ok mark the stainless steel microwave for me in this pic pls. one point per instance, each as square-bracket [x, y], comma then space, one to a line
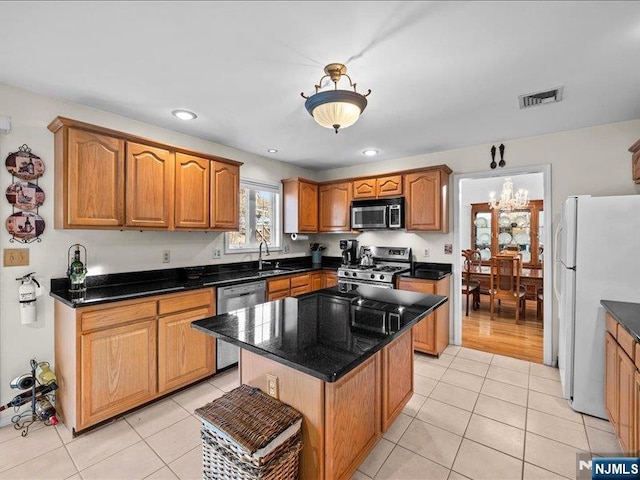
[387, 213]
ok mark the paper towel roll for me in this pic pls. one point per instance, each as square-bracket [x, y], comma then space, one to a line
[296, 237]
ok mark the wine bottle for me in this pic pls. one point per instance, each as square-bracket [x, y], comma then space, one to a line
[46, 411]
[77, 272]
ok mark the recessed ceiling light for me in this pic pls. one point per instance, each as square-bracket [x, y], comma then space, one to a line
[184, 114]
[370, 152]
[272, 150]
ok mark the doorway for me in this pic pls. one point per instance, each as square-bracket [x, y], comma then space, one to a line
[532, 338]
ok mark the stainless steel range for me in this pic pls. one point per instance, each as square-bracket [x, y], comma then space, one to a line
[378, 267]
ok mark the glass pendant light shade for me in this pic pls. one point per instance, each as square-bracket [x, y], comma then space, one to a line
[336, 108]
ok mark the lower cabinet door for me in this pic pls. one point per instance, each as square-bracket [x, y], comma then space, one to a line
[424, 335]
[118, 370]
[637, 412]
[397, 378]
[184, 354]
[611, 379]
[626, 387]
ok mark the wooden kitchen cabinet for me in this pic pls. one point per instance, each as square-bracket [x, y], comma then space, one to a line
[118, 370]
[426, 200]
[192, 192]
[335, 207]
[625, 373]
[149, 186]
[278, 288]
[610, 379]
[430, 335]
[184, 354]
[330, 279]
[300, 200]
[397, 377]
[106, 179]
[317, 281]
[225, 191]
[89, 180]
[113, 357]
[635, 161]
[622, 385]
[389, 186]
[300, 284]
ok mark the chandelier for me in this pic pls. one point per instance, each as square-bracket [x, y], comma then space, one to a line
[336, 108]
[508, 199]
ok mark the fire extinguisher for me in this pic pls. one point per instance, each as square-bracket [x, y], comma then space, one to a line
[27, 296]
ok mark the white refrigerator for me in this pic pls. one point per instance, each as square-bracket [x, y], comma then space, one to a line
[597, 257]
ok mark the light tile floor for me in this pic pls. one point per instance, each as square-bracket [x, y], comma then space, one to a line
[474, 415]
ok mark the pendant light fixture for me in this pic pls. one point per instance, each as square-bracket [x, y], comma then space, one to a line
[336, 108]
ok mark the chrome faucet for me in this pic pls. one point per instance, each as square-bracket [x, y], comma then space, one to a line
[266, 254]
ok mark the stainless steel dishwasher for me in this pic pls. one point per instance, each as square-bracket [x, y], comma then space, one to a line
[233, 298]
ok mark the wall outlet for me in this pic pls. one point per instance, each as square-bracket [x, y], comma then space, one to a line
[426, 253]
[287, 249]
[448, 249]
[217, 253]
[272, 385]
[16, 257]
[166, 256]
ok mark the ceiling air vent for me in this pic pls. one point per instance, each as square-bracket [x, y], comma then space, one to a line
[541, 98]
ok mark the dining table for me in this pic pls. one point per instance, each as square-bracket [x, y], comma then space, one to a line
[531, 278]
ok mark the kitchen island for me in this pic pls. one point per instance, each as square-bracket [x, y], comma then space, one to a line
[344, 359]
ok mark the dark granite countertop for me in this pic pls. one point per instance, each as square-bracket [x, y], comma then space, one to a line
[326, 333]
[123, 286]
[429, 271]
[627, 314]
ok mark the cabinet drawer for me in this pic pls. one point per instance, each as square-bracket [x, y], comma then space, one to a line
[295, 291]
[300, 280]
[186, 301]
[611, 325]
[271, 296]
[278, 285]
[417, 285]
[627, 342]
[109, 317]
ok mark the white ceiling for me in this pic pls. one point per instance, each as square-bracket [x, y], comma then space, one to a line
[443, 75]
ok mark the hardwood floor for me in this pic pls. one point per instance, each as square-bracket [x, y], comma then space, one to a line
[501, 335]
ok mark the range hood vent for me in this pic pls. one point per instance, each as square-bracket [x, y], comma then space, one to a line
[540, 98]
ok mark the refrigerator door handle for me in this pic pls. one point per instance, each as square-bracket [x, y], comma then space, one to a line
[557, 264]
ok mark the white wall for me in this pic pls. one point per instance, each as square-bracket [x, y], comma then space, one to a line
[108, 251]
[592, 160]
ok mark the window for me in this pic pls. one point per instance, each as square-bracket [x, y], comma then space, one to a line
[260, 218]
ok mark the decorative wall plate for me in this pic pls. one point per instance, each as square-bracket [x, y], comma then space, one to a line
[24, 164]
[25, 195]
[25, 225]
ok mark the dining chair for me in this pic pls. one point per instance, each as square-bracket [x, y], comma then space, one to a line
[472, 261]
[505, 283]
[539, 303]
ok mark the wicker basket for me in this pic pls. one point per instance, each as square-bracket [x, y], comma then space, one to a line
[248, 435]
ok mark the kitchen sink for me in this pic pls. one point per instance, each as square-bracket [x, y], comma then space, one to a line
[275, 271]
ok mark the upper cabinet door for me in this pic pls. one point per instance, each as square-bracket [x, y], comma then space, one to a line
[300, 200]
[335, 207]
[95, 176]
[192, 192]
[149, 186]
[365, 188]
[426, 201]
[389, 186]
[225, 191]
[308, 207]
